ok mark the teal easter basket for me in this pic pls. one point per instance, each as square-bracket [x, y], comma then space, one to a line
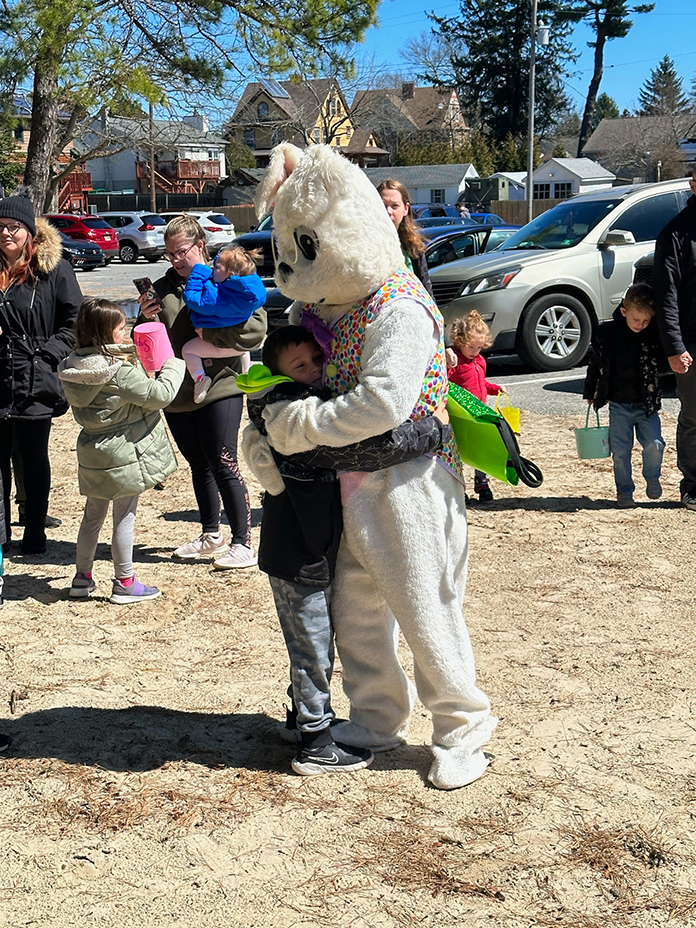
[486, 441]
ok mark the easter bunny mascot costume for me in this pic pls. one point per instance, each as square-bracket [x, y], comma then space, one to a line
[403, 558]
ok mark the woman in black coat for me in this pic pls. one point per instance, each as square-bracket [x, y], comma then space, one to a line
[39, 299]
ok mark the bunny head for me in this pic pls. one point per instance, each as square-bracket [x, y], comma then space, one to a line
[335, 241]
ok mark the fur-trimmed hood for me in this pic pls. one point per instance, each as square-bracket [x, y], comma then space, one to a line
[49, 247]
[85, 371]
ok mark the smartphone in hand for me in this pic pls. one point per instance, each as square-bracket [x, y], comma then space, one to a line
[144, 286]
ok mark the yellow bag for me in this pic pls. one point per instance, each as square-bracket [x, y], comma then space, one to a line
[510, 413]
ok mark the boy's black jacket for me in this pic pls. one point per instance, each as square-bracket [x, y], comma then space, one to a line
[301, 528]
[610, 339]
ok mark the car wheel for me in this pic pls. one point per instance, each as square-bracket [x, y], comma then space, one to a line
[554, 333]
[128, 253]
[154, 260]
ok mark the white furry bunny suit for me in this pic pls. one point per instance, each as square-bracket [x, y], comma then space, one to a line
[403, 553]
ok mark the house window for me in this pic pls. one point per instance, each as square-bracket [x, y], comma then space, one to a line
[437, 196]
[562, 191]
[250, 138]
[317, 136]
[213, 154]
[542, 191]
[19, 133]
[332, 107]
[277, 137]
[262, 110]
[349, 132]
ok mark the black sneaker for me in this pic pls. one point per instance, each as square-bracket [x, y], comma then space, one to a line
[688, 500]
[331, 758]
[485, 495]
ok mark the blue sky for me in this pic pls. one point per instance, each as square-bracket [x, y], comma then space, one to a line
[668, 30]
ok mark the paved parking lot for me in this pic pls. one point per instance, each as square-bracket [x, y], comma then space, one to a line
[115, 282]
[559, 394]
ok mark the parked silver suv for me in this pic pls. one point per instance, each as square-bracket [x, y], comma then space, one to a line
[561, 274]
[139, 233]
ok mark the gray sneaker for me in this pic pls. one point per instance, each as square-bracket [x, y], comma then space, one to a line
[209, 544]
[137, 592]
[82, 586]
[653, 489]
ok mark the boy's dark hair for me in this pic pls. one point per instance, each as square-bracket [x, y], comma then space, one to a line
[641, 296]
[96, 321]
[279, 340]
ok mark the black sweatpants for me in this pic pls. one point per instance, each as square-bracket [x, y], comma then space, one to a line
[207, 438]
[31, 443]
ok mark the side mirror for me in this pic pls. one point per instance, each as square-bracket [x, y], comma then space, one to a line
[617, 237]
[253, 228]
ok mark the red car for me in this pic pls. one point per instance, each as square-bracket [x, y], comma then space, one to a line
[87, 229]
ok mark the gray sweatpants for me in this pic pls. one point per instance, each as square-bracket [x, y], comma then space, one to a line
[305, 618]
[121, 539]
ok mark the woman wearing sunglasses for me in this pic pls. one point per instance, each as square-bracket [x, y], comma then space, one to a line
[206, 433]
[39, 299]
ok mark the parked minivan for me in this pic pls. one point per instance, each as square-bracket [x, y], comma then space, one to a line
[554, 280]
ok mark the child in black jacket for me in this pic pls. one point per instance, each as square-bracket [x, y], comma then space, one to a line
[300, 533]
[624, 366]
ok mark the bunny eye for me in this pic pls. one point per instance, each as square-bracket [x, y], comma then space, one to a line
[306, 242]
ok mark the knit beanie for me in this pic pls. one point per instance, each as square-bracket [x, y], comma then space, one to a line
[21, 209]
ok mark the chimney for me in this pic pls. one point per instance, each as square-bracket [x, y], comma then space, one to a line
[197, 121]
[407, 90]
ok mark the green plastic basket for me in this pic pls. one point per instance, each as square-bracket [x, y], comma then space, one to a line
[478, 437]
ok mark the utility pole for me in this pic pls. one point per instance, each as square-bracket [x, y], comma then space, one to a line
[539, 34]
[153, 189]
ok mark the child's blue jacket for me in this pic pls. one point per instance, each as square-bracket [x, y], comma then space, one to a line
[215, 306]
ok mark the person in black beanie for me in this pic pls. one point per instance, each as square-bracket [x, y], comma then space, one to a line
[39, 299]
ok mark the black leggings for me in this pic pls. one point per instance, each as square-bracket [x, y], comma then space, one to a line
[207, 438]
[31, 444]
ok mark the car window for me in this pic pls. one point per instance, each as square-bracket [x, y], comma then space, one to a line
[219, 219]
[496, 239]
[150, 219]
[646, 218]
[58, 222]
[95, 223]
[563, 226]
[114, 221]
[463, 246]
[265, 225]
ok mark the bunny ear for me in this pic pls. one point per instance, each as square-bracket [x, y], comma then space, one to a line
[283, 161]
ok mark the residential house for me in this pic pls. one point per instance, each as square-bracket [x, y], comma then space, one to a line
[503, 185]
[188, 157]
[408, 112]
[271, 111]
[639, 148]
[560, 178]
[75, 187]
[365, 151]
[428, 183]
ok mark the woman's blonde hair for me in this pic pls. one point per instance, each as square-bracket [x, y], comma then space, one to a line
[409, 234]
[462, 329]
[190, 228]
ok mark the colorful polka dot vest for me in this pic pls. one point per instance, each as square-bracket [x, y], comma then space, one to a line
[342, 369]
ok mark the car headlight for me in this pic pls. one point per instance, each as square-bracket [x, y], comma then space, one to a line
[490, 281]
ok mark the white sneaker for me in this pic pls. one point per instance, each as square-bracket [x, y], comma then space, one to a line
[209, 544]
[237, 556]
[200, 388]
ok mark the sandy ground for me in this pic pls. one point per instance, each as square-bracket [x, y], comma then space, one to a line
[147, 786]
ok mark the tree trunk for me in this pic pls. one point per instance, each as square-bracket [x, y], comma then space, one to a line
[594, 88]
[44, 132]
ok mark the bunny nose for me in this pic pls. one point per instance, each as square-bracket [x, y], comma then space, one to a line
[284, 269]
